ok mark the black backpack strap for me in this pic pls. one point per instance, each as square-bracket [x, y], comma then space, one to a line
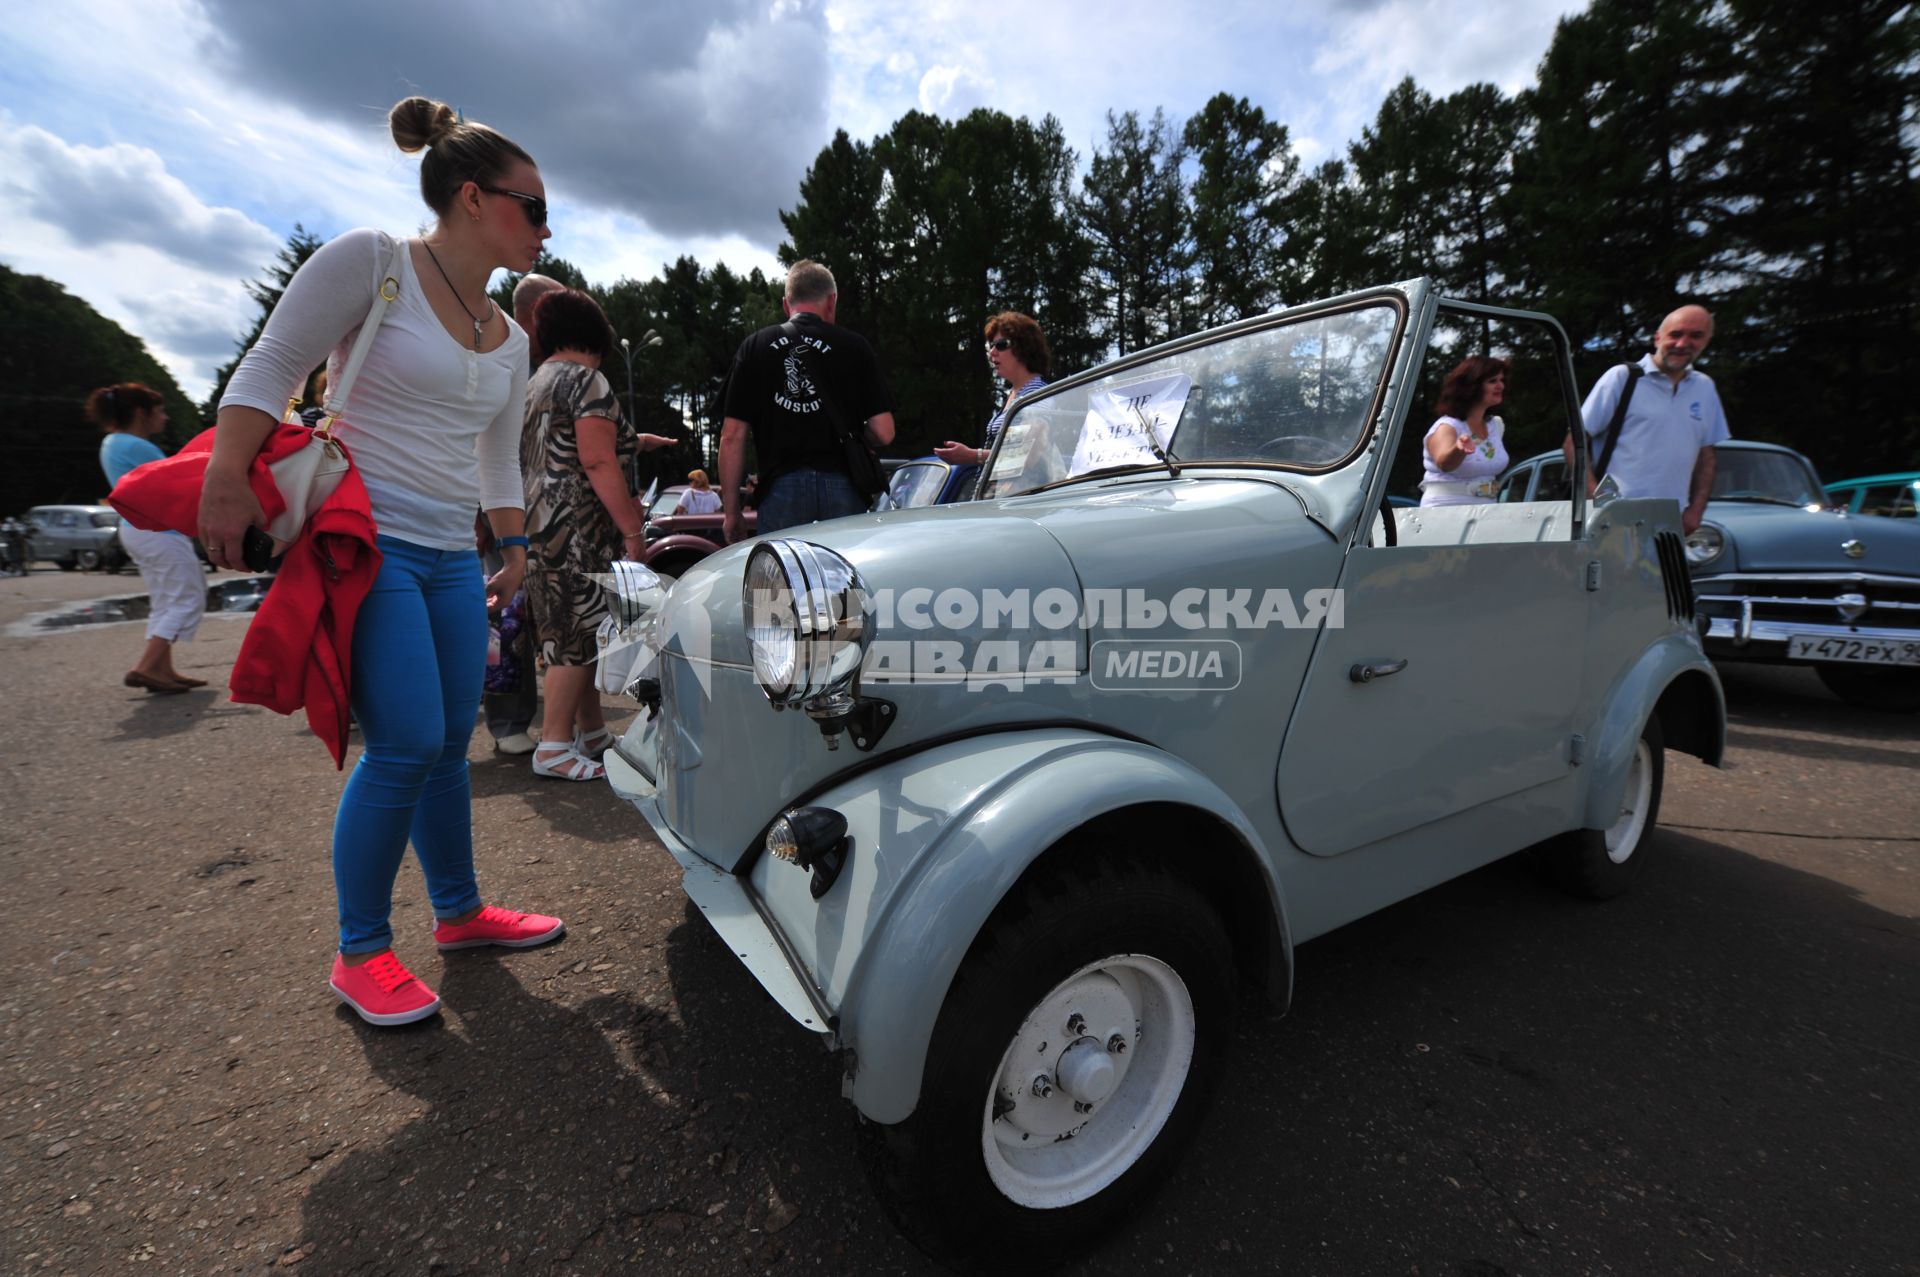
[1634, 373]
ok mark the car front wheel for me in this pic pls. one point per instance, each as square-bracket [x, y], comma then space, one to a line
[89, 560]
[1602, 863]
[1071, 1060]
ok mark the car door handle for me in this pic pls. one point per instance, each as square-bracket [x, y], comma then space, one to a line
[1367, 673]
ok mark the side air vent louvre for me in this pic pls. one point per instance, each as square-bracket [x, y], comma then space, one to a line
[1673, 573]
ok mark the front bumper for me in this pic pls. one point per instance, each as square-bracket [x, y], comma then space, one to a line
[1751, 616]
[728, 904]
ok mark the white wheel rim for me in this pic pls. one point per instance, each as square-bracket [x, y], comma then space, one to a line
[1046, 1152]
[1623, 836]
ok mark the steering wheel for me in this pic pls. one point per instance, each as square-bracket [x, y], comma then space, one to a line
[1304, 449]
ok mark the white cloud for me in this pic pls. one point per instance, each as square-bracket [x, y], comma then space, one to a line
[123, 194]
[952, 91]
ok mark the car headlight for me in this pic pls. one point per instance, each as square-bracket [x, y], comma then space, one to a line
[806, 621]
[634, 592]
[1705, 544]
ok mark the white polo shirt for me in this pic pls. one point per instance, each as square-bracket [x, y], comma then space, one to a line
[1665, 428]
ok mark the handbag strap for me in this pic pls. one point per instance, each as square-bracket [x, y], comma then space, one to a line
[338, 391]
[1634, 373]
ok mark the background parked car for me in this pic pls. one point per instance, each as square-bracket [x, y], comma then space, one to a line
[78, 536]
[926, 481]
[1781, 577]
[675, 542]
[1894, 496]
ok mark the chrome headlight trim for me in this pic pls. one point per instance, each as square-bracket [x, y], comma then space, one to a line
[1705, 544]
[807, 627]
[635, 592]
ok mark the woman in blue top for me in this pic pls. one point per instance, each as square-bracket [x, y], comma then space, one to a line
[132, 414]
[1017, 352]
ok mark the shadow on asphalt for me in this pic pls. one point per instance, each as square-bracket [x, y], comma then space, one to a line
[1716, 1071]
[152, 716]
[597, 1135]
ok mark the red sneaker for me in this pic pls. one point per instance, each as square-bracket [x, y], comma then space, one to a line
[383, 991]
[495, 925]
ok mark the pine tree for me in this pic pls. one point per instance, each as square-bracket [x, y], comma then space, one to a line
[1245, 171]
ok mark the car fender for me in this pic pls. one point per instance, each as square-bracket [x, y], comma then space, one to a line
[1671, 675]
[970, 857]
[679, 542]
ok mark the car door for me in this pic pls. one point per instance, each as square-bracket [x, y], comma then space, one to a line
[1452, 680]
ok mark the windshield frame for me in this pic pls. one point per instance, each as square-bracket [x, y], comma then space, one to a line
[1393, 296]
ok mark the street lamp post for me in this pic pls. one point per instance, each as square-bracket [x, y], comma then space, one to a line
[652, 338]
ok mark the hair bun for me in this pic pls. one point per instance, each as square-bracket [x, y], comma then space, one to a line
[419, 122]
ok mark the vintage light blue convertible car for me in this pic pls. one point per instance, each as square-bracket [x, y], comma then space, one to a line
[1782, 577]
[1002, 798]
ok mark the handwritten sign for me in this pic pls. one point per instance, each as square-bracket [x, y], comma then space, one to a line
[1115, 430]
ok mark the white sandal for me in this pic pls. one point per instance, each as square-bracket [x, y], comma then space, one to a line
[594, 743]
[561, 761]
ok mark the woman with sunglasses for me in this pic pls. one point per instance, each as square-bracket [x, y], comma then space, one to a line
[1017, 352]
[433, 425]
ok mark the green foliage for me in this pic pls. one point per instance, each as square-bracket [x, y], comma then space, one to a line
[1245, 172]
[266, 292]
[55, 350]
[1134, 210]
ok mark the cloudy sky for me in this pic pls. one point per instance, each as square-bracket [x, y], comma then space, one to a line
[155, 154]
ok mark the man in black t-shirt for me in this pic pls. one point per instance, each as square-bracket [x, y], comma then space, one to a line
[789, 384]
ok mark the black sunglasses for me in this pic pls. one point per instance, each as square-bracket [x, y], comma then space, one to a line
[1000, 343]
[532, 205]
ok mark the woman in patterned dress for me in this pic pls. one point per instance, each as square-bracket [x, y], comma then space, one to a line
[575, 451]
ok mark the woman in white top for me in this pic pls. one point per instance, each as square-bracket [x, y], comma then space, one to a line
[1466, 449]
[699, 498]
[433, 425]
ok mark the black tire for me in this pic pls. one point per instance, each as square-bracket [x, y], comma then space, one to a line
[1582, 863]
[1893, 691]
[89, 560]
[931, 1171]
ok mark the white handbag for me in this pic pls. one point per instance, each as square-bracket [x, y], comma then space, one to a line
[308, 477]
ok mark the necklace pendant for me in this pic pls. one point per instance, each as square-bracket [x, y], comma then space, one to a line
[476, 334]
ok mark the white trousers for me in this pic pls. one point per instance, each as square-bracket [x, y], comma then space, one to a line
[174, 581]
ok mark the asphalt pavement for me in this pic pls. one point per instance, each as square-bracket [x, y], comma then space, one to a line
[1717, 1074]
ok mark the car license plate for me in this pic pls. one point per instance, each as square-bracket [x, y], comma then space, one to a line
[1811, 647]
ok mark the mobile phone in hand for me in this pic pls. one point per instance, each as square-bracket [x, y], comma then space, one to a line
[256, 549]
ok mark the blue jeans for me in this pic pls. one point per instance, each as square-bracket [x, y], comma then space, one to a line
[419, 655]
[802, 496]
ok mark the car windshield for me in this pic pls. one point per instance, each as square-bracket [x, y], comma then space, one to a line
[1752, 474]
[918, 484]
[666, 503]
[1298, 394]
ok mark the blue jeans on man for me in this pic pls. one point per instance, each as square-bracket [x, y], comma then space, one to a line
[806, 495]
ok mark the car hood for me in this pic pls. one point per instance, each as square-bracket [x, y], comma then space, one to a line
[970, 547]
[1778, 538]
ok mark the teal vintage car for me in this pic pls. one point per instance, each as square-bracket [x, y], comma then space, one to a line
[1892, 496]
[1781, 576]
[1004, 799]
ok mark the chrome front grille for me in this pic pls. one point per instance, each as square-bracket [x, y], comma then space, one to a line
[1749, 607]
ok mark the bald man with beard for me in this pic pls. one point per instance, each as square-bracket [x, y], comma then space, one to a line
[1673, 418]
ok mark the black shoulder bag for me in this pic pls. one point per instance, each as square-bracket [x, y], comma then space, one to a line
[1634, 373]
[863, 467]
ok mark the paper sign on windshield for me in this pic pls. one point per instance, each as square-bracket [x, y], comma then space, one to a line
[1115, 431]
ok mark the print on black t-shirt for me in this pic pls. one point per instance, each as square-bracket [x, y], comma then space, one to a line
[783, 380]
